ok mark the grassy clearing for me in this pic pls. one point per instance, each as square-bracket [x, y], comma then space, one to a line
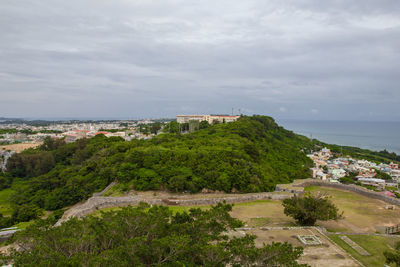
[116, 190]
[23, 225]
[5, 207]
[375, 245]
[362, 212]
[267, 209]
[259, 222]
[98, 212]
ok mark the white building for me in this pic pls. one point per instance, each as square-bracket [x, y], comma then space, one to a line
[209, 118]
[372, 181]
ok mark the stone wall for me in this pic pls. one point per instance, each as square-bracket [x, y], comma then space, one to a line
[97, 202]
[355, 188]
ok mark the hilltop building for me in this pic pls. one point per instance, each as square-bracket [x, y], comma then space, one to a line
[209, 118]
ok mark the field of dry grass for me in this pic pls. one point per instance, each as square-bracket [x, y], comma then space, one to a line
[361, 214]
[327, 254]
[261, 213]
[19, 147]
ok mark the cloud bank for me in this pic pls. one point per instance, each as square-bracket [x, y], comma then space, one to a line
[138, 58]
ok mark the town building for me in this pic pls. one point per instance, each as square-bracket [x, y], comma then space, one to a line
[209, 118]
[380, 183]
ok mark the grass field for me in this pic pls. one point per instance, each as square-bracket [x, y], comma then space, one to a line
[325, 255]
[5, 207]
[261, 213]
[362, 214]
[116, 191]
[23, 225]
[375, 245]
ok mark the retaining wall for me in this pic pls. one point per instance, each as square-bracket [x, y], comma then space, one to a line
[355, 188]
[97, 202]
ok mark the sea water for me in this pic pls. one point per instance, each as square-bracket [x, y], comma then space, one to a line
[370, 135]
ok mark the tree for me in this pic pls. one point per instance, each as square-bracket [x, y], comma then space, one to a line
[194, 125]
[155, 127]
[147, 236]
[25, 213]
[393, 256]
[204, 125]
[310, 208]
[172, 127]
[51, 144]
[382, 175]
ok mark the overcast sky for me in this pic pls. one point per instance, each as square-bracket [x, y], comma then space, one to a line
[296, 59]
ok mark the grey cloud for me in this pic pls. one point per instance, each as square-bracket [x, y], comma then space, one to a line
[159, 58]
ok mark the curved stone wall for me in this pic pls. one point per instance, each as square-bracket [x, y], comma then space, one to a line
[97, 202]
[355, 188]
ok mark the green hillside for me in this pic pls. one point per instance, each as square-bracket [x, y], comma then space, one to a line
[250, 155]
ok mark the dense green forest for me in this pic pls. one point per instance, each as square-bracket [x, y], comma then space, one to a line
[250, 155]
[144, 236]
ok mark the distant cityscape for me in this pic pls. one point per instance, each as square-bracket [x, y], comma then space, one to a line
[366, 173]
[18, 135]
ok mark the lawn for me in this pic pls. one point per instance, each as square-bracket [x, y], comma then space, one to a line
[23, 225]
[375, 245]
[5, 207]
[261, 213]
[362, 214]
[117, 190]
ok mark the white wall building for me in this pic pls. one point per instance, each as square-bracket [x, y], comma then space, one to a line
[209, 118]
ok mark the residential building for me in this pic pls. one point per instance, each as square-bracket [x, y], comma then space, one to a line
[380, 183]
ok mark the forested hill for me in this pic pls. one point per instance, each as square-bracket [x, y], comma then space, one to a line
[250, 155]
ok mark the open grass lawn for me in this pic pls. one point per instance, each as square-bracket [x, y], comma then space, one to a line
[23, 225]
[5, 207]
[375, 245]
[261, 213]
[359, 211]
[117, 190]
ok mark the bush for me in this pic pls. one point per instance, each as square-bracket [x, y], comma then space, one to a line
[26, 213]
[393, 256]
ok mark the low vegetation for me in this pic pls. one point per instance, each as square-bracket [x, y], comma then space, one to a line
[393, 255]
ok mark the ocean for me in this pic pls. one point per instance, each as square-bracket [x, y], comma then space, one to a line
[369, 135]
